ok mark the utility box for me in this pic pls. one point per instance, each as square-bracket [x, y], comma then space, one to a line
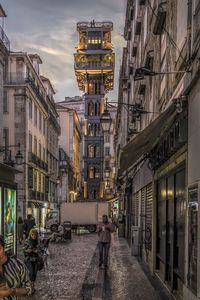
[135, 240]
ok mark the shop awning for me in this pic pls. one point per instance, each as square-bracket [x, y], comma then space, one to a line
[146, 139]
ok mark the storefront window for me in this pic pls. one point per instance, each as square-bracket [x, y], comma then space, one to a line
[192, 238]
[9, 220]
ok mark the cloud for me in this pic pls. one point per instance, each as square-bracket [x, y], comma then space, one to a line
[48, 27]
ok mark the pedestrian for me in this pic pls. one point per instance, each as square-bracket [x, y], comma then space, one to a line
[20, 230]
[58, 233]
[14, 277]
[104, 230]
[32, 253]
[116, 225]
[29, 224]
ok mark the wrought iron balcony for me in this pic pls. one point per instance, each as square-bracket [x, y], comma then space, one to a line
[36, 160]
[4, 39]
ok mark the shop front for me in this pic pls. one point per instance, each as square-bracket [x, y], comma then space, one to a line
[8, 205]
[171, 229]
[39, 211]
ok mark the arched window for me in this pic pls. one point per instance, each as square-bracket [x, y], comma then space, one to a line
[91, 109]
[97, 151]
[91, 172]
[97, 109]
[91, 151]
[97, 172]
[97, 130]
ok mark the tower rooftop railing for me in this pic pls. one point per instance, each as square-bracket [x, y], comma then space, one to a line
[93, 24]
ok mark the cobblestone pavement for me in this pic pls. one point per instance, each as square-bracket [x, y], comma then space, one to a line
[73, 273]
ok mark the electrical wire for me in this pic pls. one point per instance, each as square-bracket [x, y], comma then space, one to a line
[167, 32]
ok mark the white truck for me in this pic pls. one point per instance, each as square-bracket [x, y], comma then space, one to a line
[80, 214]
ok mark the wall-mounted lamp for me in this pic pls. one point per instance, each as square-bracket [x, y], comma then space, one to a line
[140, 73]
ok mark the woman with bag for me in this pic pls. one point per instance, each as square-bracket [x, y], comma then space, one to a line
[32, 253]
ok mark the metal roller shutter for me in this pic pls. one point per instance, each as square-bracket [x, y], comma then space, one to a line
[148, 214]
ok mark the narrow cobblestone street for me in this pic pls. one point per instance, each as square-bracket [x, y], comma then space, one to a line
[73, 273]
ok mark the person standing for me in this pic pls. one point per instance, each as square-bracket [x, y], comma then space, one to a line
[20, 229]
[14, 277]
[104, 230]
[31, 251]
[29, 224]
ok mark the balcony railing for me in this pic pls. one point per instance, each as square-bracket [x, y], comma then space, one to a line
[21, 78]
[34, 195]
[36, 160]
[4, 39]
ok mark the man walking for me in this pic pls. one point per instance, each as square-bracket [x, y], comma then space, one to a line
[104, 230]
[14, 277]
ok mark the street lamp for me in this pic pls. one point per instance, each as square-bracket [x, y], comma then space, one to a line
[140, 73]
[106, 120]
[18, 156]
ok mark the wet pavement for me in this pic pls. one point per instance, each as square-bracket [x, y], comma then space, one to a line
[73, 273]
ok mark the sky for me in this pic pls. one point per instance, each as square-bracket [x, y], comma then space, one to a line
[48, 27]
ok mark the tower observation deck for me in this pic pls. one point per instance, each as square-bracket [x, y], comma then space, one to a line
[94, 62]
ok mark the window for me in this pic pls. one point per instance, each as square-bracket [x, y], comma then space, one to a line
[97, 172]
[181, 24]
[94, 40]
[107, 138]
[6, 143]
[35, 181]
[30, 142]
[91, 172]
[97, 108]
[30, 109]
[35, 145]
[40, 151]
[39, 182]
[107, 164]
[44, 156]
[40, 121]
[6, 136]
[97, 130]
[145, 24]
[44, 126]
[35, 115]
[5, 102]
[90, 151]
[107, 150]
[91, 110]
[97, 151]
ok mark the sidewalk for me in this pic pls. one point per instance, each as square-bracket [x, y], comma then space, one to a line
[125, 279]
[73, 273]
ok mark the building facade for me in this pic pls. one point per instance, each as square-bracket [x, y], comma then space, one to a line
[71, 142]
[76, 103]
[30, 121]
[157, 139]
[94, 68]
[109, 156]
